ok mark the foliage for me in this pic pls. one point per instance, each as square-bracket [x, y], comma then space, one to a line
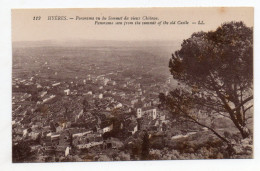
[145, 147]
[21, 152]
[157, 142]
[85, 105]
[215, 70]
[122, 156]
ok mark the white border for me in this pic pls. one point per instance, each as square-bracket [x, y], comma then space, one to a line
[5, 89]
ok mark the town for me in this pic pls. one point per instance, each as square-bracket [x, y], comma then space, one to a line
[84, 114]
[89, 117]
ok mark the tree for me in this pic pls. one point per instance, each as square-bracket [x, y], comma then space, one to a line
[145, 147]
[85, 104]
[215, 70]
[116, 122]
[21, 152]
[66, 103]
[34, 94]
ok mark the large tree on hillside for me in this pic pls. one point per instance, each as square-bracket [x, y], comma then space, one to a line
[216, 68]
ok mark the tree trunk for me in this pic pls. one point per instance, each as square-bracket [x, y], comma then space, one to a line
[244, 131]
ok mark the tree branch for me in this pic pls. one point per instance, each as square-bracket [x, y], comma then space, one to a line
[248, 108]
[242, 103]
[211, 129]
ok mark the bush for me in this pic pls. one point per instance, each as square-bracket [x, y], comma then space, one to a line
[21, 152]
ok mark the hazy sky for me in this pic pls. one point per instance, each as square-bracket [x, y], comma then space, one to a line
[24, 28]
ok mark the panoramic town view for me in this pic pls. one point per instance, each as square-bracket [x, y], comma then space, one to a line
[88, 103]
[125, 100]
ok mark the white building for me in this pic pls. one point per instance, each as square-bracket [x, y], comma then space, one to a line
[108, 128]
[67, 92]
[134, 101]
[48, 99]
[118, 105]
[92, 144]
[67, 151]
[55, 84]
[139, 113]
[106, 80]
[81, 134]
[135, 130]
[43, 93]
[150, 112]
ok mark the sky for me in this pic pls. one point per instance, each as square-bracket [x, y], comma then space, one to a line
[24, 28]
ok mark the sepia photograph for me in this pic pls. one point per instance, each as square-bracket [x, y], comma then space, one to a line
[131, 84]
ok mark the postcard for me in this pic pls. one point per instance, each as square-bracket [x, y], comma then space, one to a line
[129, 84]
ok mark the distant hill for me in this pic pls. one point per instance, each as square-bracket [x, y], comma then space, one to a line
[97, 43]
[75, 58]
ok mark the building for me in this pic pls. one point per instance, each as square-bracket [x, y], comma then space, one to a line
[108, 128]
[150, 112]
[139, 113]
[89, 145]
[118, 105]
[42, 94]
[55, 84]
[100, 96]
[48, 99]
[67, 92]
[113, 143]
[133, 128]
[82, 134]
[67, 151]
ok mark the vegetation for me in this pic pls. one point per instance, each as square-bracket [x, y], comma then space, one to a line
[145, 147]
[215, 70]
[21, 152]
